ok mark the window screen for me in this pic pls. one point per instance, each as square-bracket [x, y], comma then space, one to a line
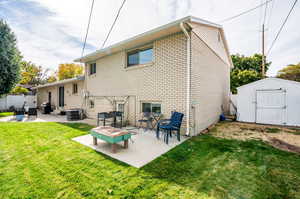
[140, 57]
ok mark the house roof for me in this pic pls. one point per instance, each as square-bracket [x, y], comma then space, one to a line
[75, 79]
[149, 36]
[268, 79]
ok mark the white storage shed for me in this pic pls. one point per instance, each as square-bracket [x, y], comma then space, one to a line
[269, 101]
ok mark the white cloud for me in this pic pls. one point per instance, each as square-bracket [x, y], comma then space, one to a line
[56, 38]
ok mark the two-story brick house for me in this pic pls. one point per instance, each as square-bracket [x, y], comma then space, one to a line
[183, 66]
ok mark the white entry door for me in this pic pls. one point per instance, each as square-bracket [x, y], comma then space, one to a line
[271, 106]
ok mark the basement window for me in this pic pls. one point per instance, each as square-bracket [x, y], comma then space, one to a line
[139, 56]
[151, 107]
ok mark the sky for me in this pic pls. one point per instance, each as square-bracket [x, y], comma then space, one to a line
[50, 32]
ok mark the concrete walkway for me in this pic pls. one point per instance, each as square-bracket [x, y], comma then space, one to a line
[48, 118]
[143, 147]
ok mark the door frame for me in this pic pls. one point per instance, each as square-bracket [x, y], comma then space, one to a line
[285, 102]
[49, 97]
[61, 96]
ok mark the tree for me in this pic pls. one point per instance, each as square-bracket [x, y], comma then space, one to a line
[69, 70]
[51, 79]
[32, 74]
[254, 62]
[246, 70]
[290, 72]
[10, 58]
[241, 77]
[19, 90]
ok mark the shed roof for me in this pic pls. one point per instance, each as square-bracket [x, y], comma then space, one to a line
[151, 35]
[268, 79]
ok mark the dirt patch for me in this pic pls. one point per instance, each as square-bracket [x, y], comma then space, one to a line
[280, 137]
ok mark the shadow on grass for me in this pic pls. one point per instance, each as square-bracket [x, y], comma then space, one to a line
[78, 126]
[230, 168]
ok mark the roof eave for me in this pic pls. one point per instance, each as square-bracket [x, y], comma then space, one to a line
[80, 78]
[160, 28]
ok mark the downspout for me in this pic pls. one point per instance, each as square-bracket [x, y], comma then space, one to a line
[188, 77]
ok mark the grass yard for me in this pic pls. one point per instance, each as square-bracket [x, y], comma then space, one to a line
[5, 114]
[39, 160]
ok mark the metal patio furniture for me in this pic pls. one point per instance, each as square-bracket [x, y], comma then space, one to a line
[113, 117]
[170, 125]
[32, 112]
[146, 118]
[156, 118]
[104, 117]
[117, 118]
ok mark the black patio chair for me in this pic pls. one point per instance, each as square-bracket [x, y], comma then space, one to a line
[146, 118]
[103, 116]
[118, 118]
[32, 112]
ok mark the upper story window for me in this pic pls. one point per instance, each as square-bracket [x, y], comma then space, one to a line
[219, 37]
[140, 56]
[75, 88]
[92, 68]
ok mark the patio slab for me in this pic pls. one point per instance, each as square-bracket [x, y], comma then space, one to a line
[143, 147]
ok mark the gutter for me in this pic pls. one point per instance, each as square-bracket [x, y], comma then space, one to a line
[188, 78]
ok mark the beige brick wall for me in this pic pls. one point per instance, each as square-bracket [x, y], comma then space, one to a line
[71, 100]
[161, 81]
[210, 86]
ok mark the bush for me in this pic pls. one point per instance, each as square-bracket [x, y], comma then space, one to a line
[19, 90]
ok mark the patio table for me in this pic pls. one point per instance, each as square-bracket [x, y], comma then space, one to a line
[156, 118]
[111, 135]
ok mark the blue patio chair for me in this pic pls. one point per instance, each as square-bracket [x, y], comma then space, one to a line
[169, 125]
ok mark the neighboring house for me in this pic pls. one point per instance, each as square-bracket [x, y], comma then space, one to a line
[62, 95]
[269, 101]
[183, 66]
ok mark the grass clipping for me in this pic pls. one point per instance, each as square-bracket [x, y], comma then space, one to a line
[287, 139]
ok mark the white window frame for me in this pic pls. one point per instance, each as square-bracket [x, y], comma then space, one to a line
[90, 68]
[146, 47]
[123, 107]
[74, 89]
[151, 102]
[91, 106]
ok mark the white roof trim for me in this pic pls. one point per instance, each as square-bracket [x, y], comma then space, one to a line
[267, 79]
[75, 79]
[174, 23]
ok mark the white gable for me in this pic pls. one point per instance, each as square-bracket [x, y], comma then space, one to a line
[213, 38]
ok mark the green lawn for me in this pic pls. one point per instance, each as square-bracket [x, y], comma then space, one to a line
[39, 160]
[5, 114]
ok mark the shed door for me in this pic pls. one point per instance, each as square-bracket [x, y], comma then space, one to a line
[271, 106]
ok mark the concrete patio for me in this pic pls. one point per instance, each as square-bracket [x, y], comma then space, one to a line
[143, 147]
